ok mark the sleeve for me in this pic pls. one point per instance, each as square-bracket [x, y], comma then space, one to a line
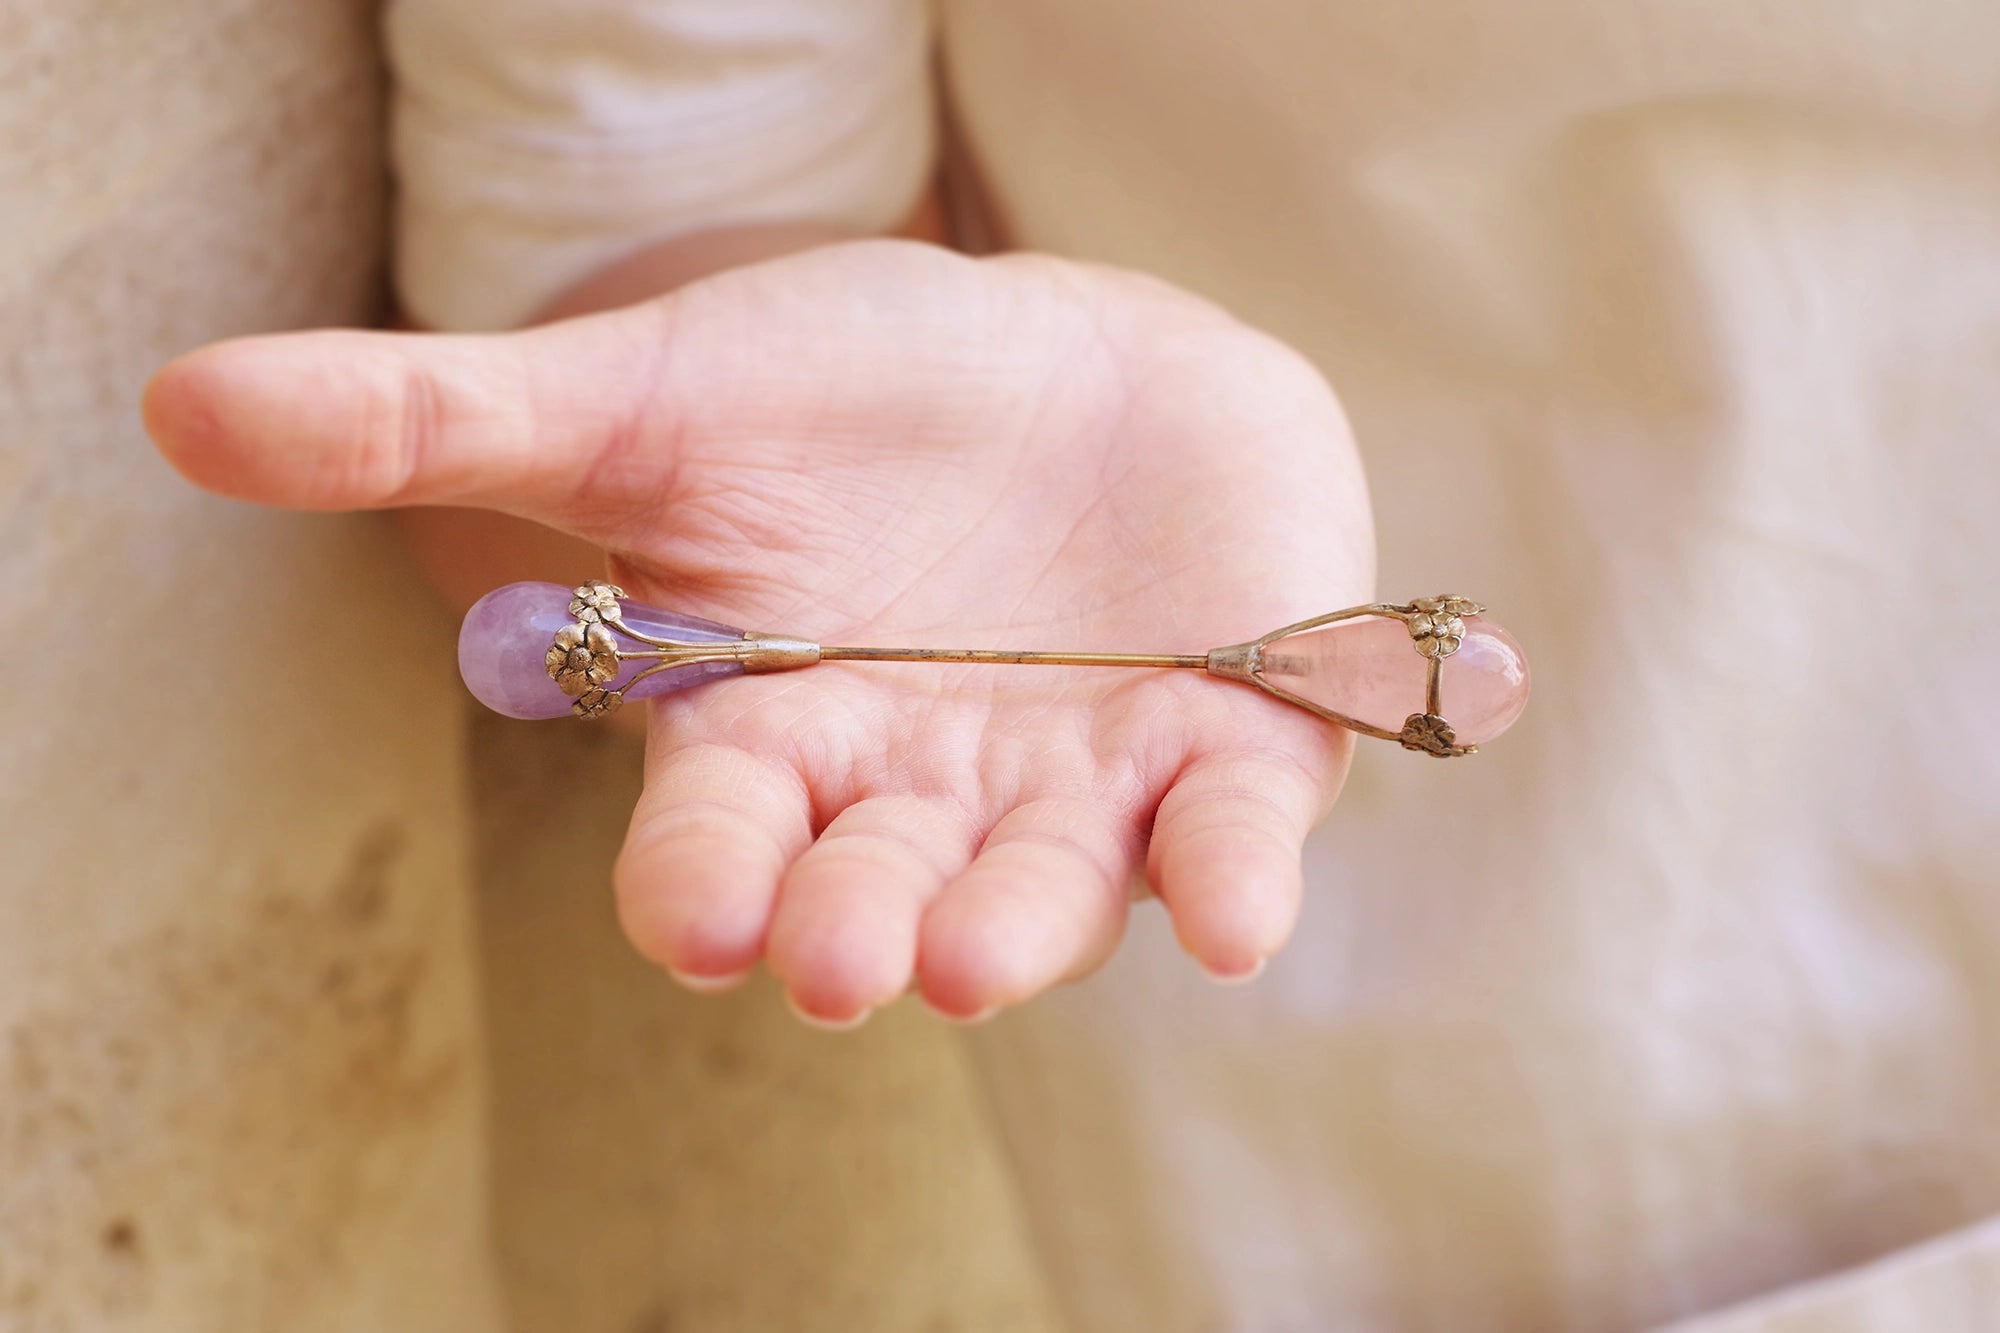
[536, 141]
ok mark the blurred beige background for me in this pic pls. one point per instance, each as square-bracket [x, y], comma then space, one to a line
[312, 1011]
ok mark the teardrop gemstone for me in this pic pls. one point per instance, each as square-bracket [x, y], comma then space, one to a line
[503, 649]
[1368, 669]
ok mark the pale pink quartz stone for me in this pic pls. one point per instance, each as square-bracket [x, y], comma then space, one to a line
[1369, 669]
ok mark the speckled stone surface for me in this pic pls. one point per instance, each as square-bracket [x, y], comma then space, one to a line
[239, 1068]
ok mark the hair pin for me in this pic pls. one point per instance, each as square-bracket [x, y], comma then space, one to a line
[539, 650]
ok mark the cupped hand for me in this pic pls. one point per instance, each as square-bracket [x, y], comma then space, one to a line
[885, 443]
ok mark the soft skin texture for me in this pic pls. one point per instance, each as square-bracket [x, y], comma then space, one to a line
[883, 442]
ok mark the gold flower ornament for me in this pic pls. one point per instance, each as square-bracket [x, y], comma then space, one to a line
[596, 603]
[1437, 626]
[582, 657]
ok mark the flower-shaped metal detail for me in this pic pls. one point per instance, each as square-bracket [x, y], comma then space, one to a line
[596, 602]
[597, 703]
[1436, 625]
[1433, 735]
[581, 658]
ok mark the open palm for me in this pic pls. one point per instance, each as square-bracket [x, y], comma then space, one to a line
[887, 444]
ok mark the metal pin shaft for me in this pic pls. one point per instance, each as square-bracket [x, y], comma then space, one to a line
[832, 654]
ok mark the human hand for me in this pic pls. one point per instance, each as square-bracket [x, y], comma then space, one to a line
[887, 443]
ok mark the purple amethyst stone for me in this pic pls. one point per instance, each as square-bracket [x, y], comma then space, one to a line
[504, 643]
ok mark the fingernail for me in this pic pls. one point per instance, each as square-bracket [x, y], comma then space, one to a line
[827, 1024]
[710, 985]
[961, 1020]
[1236, 978]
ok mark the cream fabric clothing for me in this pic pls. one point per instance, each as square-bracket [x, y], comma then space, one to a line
[1673, 331]
[537, 141]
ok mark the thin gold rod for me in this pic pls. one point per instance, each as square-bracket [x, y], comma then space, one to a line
[827, 654]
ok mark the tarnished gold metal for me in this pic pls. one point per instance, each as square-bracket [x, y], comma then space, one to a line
[1437, 628]
[1010, 657]
[585, 657]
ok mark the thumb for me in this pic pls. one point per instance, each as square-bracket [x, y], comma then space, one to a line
[529, 423]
